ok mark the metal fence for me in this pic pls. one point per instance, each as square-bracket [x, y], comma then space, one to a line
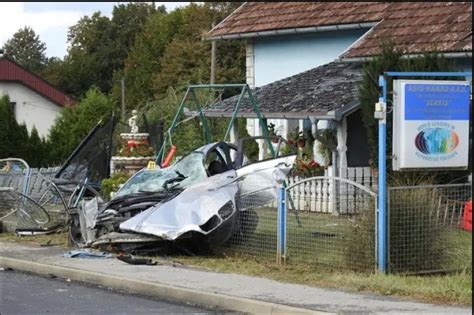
[25, 194]
[342, 236]
[425, 229]
[257, 236]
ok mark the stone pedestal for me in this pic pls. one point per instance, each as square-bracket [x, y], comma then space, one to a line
[131, 164]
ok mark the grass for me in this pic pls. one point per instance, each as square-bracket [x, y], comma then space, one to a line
[59, 239]
[455, 289]
[310, 254]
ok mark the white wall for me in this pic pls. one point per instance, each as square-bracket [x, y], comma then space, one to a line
[31, 108]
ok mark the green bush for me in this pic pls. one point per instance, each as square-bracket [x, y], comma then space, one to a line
[112, 184]
[416, 236]
[74, 123]
[359, 249]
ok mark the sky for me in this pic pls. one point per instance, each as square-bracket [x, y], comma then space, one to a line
[51, 20]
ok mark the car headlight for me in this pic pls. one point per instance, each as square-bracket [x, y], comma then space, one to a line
[226, 210]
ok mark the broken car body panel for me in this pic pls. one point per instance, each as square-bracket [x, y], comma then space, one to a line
[198, 194]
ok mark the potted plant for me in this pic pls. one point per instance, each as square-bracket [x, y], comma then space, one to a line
[301, 141]
[272, 132]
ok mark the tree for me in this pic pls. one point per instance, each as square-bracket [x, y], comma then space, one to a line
[14, 138]
[26, 49]
[9, 126]
[171, 52]
[99, 46]
[35, 150]
[74, 123]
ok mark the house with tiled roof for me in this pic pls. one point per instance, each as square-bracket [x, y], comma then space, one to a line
[36, 103]
[303, 59]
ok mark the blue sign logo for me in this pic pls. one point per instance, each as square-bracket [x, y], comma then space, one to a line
[437, 101]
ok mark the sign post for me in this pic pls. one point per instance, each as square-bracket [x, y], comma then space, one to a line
[427, 141]
[430, 124]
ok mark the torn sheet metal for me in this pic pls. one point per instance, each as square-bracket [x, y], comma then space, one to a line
[213, 198]
[88, 211]
[206, 205]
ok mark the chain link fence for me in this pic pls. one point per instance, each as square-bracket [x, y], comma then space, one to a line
[331, 224]
[257, 233]
[425, 229]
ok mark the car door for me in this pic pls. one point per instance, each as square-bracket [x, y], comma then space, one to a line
[258, 175]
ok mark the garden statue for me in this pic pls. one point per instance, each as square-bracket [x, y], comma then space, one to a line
[135, 152]
[132, 122]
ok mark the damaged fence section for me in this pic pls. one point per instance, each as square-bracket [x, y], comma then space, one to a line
[257, 236]
[28, 198]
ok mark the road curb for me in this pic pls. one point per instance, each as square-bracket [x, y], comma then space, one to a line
[162, 291]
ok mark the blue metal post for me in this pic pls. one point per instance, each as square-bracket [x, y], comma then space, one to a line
[281, 221]
[382, 195]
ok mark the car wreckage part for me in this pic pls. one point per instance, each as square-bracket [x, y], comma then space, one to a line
[169, 157]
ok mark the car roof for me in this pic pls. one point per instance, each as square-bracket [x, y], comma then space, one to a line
[206, 148]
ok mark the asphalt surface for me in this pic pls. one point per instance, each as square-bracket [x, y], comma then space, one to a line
[22, 293]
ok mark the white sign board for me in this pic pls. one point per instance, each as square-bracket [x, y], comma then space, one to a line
[430, 124]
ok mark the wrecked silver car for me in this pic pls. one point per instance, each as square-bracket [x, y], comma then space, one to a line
[199, 197]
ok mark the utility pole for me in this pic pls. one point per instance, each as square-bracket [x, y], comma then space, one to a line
[122, 84]
[213, 60]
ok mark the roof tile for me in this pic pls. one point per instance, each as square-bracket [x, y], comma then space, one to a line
[413, 27]
[331, 87]
[10, 71]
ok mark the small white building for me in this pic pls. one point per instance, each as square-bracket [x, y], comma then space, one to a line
[36, 102]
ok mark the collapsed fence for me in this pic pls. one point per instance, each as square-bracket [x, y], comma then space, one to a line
[28, 199]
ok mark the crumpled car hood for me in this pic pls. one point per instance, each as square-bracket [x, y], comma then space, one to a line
[197, 204]
[187, 211]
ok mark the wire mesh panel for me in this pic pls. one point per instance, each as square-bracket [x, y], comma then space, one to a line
[257, 233]
[30, 200]
[426, 228]
[331, 223]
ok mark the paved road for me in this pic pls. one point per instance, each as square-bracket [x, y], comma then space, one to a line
[28, 294]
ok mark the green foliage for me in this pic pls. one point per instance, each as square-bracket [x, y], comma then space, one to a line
[37, 154]
[74, 123]
[112, 184]
[416, 235]
[388, 60]
[360, 241]
[99, 47]
[327, 143]
[391, 60]
[170, 52]
[26, 49]
[15, 140]
[9, 128]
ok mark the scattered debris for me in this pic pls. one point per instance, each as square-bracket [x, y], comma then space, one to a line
[86, 253]
[129, 259]
[198, 198]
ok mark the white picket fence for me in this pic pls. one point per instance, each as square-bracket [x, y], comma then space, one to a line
[331, 196]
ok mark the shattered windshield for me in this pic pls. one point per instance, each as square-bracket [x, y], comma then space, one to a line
[185, 172]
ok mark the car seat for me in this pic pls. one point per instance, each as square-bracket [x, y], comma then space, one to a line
[216, 167]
